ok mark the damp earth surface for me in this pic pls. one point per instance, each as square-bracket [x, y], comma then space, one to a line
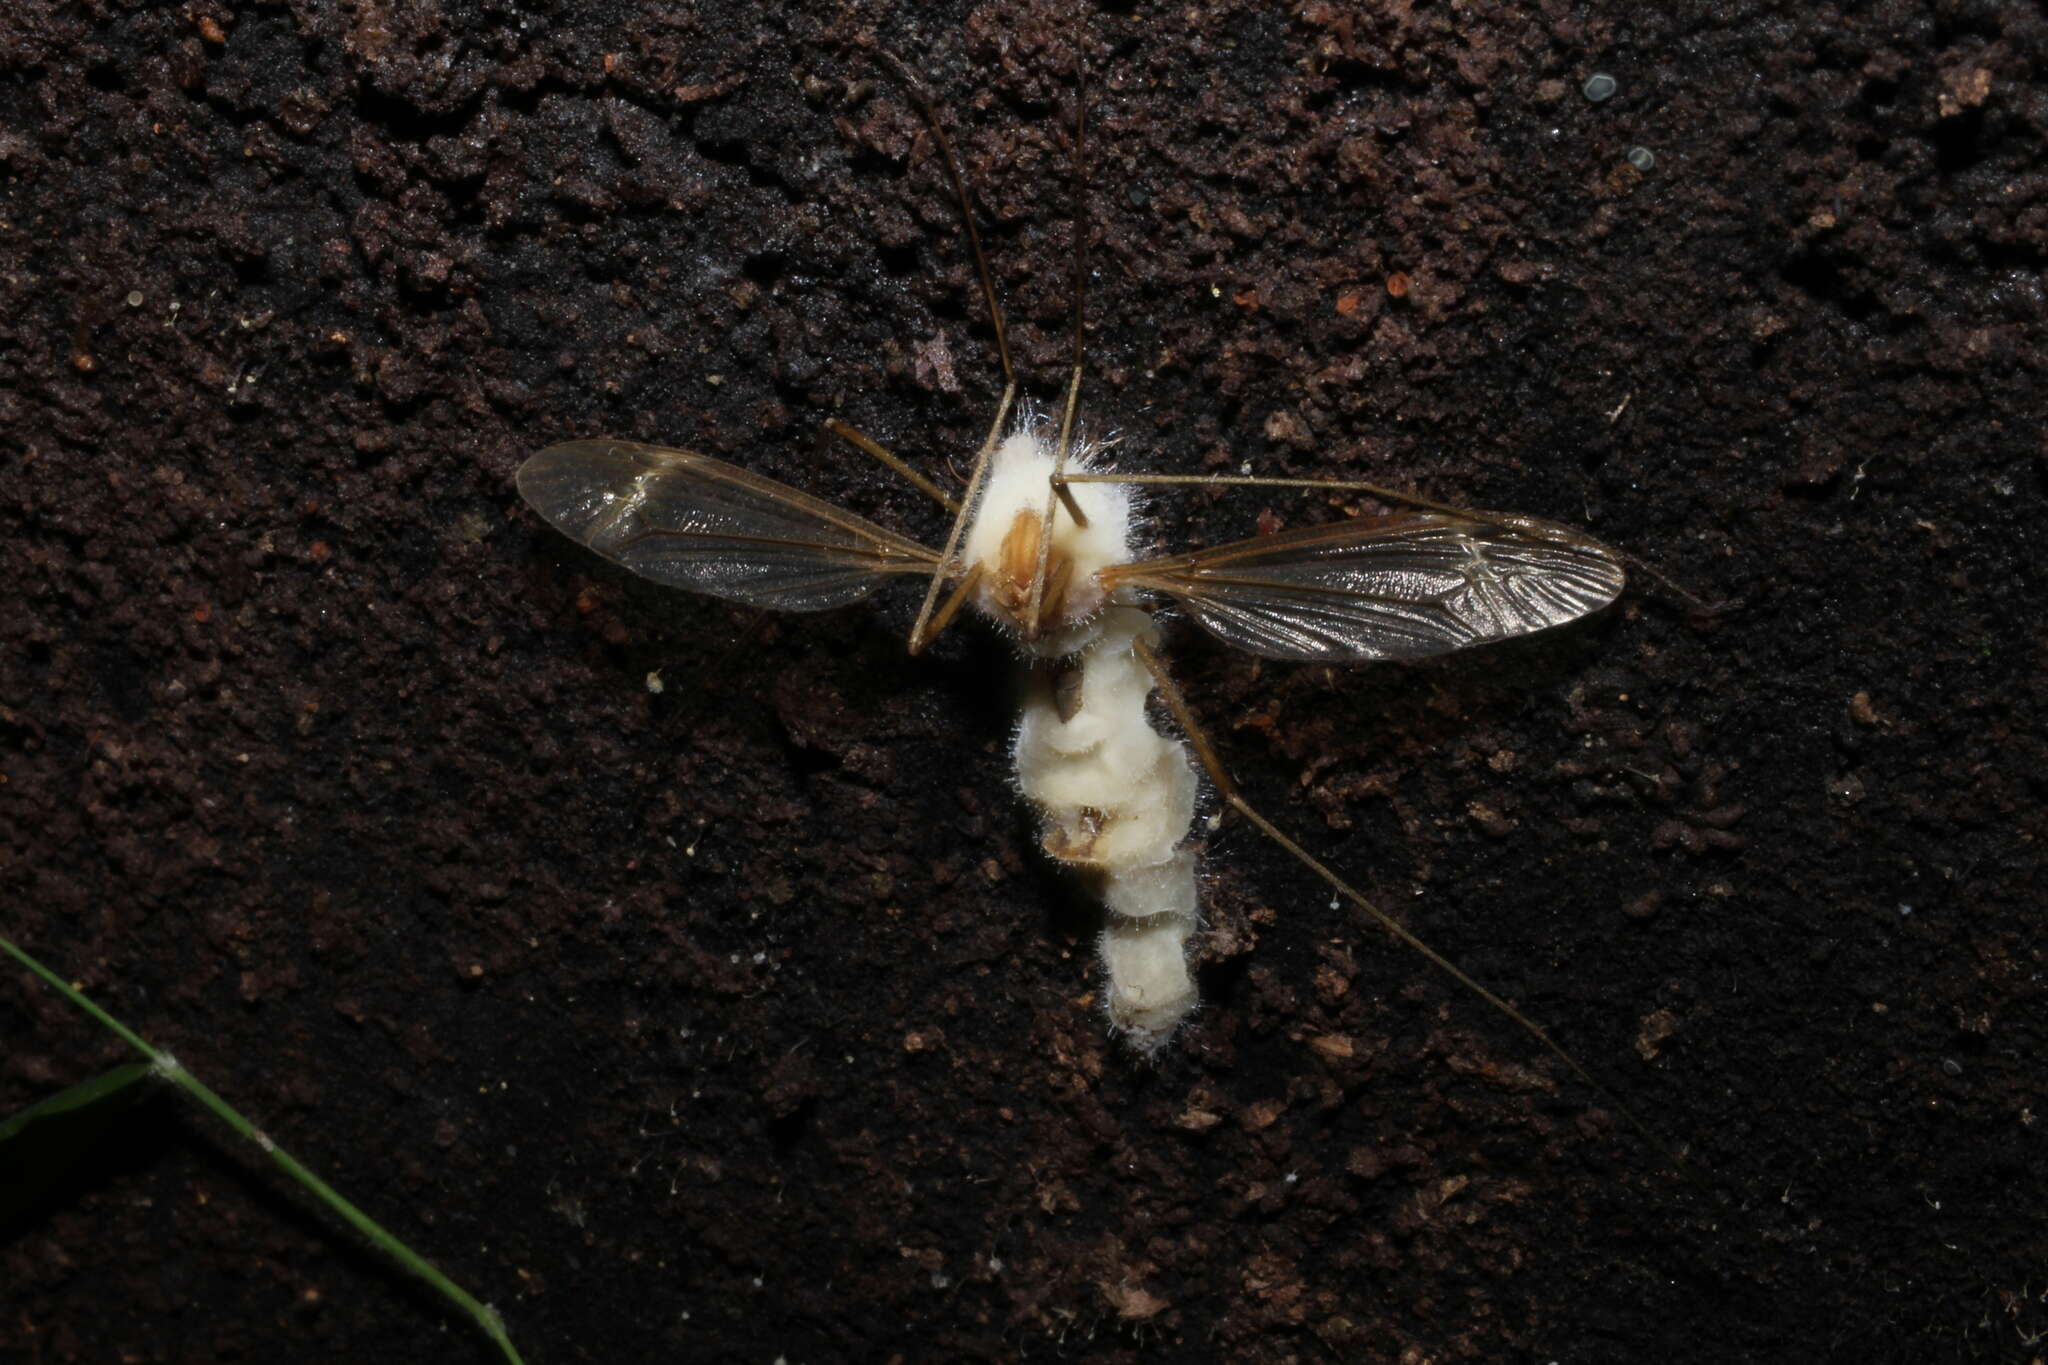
[688, 983]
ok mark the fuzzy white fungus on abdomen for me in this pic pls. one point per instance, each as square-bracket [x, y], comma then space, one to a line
[1118, 798]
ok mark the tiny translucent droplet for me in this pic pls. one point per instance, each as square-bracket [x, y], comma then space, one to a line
[1599, 86]
[1642, 158]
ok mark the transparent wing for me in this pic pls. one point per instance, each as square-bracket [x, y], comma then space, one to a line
[689, 521]
[1397, 587]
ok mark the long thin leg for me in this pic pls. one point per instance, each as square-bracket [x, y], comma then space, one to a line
[923, 631]
[1693, 600]
[1059, 493]
[930, 110]
[968, 583]
[1035, 600]
[1259, 481]
[860, 440]
[1080, 217]
[949, 560]
[1206, 753]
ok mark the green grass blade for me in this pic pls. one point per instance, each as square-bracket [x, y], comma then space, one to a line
[79, 1096]
[168, 1067]
[43, 1143]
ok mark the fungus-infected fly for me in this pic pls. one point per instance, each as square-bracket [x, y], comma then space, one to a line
[1042, 542]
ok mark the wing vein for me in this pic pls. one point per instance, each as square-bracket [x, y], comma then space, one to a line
[1400, 587]
[688, 521]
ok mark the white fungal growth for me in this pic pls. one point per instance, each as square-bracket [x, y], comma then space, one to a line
[1055, 564]
[1009, 521]
[1118, 797]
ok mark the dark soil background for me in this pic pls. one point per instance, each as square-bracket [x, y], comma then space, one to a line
[741, 1021]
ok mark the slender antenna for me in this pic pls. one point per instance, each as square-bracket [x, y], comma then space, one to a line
[1080, 216]
[923, 631]
[1205, 752]
[923, 100]
[1060, 493]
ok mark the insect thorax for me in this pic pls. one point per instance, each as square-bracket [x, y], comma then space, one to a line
[1004, 539]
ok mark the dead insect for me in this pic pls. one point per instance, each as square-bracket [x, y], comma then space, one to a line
[1042, 542]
